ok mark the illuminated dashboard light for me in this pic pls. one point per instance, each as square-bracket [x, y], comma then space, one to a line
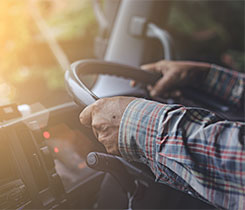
[56, 149]
[46, 134]
[81, 165]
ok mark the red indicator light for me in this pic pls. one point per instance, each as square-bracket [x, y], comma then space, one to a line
[56, 149]
[46, 134]
[81, 165]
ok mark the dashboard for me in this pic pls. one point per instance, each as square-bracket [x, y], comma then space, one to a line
[40, 164]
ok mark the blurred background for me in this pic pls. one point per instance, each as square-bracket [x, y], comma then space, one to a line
[211, 31]
[29, 72]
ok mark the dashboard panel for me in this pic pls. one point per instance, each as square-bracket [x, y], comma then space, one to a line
[40, 164]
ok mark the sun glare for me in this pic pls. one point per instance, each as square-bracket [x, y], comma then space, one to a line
[28, 68]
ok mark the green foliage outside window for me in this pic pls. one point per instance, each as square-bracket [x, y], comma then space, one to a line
[24, 53]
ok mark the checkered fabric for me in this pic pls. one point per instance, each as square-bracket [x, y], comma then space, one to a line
[226, 85]
[190, 149]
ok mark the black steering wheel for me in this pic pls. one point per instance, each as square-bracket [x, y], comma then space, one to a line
[83, 96]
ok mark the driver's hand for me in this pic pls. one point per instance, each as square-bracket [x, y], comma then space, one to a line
[176, 75]
[104, 117]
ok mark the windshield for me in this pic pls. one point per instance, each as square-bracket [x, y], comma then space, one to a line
[209, 31]
[39, 39]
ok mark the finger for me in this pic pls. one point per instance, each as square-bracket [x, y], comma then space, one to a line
[132, 83]
[95, 132]
[149, 88]
[161, 65]
[162, 86]
[149, 67]
[86, 116]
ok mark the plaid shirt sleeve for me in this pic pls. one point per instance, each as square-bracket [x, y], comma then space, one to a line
[225, 84]
[189, 149]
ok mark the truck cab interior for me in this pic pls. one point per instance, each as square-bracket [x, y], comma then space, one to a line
[48, 160]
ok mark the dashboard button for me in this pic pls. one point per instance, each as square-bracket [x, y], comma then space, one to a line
[48, 159]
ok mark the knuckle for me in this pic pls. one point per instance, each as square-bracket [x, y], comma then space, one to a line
[100, 103]
[103, 140]
[99, 127]
[81, 116]
[163, 62]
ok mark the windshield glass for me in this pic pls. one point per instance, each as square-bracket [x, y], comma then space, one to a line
[38, 40]
[209, 31]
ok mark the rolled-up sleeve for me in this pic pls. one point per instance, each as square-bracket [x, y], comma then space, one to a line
[189, 149]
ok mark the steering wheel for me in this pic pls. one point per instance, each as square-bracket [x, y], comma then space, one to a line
[83, 96]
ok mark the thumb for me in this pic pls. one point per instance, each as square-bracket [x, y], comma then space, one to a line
[86, 116]
[149, 67]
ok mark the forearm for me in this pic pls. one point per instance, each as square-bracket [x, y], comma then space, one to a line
[186, 148]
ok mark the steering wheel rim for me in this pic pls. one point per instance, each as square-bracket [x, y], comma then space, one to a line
[82, 95]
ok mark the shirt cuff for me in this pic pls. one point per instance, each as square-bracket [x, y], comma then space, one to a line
[224, 84]
[138, 131]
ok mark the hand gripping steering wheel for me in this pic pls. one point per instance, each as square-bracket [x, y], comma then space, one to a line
[84, 97]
